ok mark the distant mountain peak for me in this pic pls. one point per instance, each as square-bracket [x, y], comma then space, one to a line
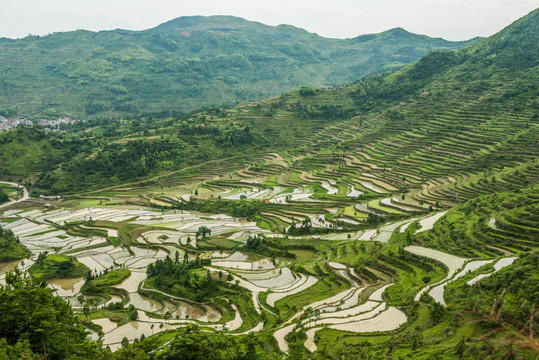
[201, 23]
[191, 61]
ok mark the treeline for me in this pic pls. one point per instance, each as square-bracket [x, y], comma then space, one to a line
[181, 278]
[244, 208]
[324, 112]
[262, 246]
[227, 138]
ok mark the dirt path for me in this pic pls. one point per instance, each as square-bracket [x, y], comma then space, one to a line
[25, 194]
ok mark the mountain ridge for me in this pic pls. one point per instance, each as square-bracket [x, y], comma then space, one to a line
[84, 73]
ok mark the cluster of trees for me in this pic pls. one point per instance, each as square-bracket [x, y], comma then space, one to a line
[230, 137]
[182, 277]
[7, 237]
[374, 219]
[306, 91]
[325, 112]
[196, 344]
[57, 266]
[10, 246]
[260, 245]
[236, 138]
[3, 196]
[35, 324]
[243, 208]
[306, 227]
[203, 232]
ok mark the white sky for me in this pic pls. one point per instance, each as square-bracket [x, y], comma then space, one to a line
[450, 19]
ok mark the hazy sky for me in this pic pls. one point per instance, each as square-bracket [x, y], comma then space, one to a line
[450, 19]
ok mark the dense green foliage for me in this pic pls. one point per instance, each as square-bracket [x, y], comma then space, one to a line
[181, 278]
[3, 196]
[57, 266]
[10, 247]
[195, 344]
[187, 63]
[36, 323]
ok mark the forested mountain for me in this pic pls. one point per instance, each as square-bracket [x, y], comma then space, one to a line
[187, 63]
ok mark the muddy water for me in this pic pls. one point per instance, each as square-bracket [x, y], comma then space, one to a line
[106, 324]
[8, 266]
[131, 283]
[143, 303]
[428, 222]
[67, 287]
[131, 330]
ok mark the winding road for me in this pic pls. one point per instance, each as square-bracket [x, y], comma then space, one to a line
[25, 194]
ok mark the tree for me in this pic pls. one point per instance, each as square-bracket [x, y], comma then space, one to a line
[86, 311]
[409, 238]
[306, 91]
[203, 231]
[81, 299]
[125, 342]
[46, 323]
[460, 347]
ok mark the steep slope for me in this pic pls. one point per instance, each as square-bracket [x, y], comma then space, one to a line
[448, 114]
[187, 63]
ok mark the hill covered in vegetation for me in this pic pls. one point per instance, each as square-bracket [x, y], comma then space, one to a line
[10, 247]
[187, 63]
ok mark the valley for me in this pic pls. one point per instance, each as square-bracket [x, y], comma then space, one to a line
[395, 217]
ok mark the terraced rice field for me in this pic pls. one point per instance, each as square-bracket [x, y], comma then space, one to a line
[376, 198]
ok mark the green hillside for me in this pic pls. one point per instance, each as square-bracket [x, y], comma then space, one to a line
[187, 63]
[10, 247]
[55, 266]
[429, 113]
